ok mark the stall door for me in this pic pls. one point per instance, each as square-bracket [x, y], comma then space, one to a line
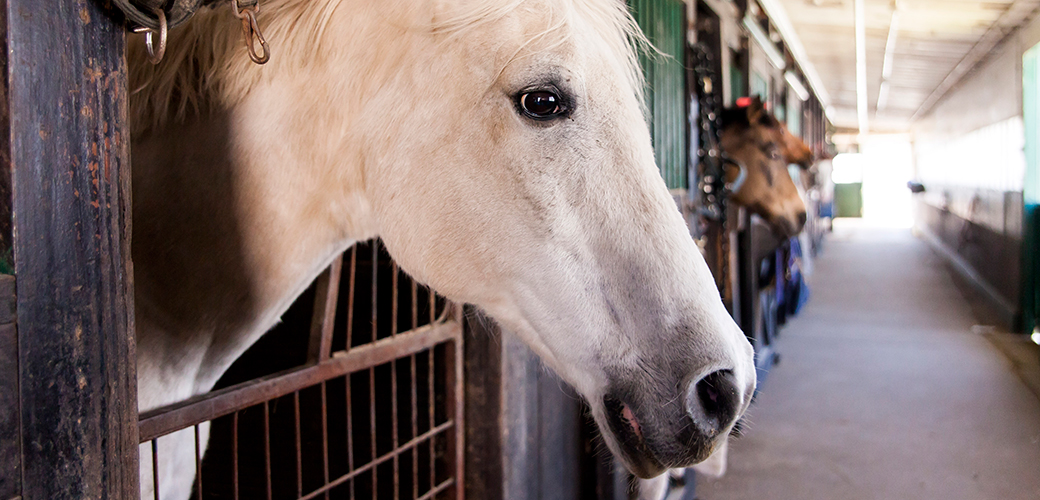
[664, 22]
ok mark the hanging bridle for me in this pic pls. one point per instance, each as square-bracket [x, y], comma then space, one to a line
[156, 18]
[148, 13]
[714, 191]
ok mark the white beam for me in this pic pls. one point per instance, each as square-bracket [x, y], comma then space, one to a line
[796, 85]
[886, 68]
[861, 69]
[763, 41]
[783, 24]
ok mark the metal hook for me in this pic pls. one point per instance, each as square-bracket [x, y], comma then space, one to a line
[251, 30]
[154, 55]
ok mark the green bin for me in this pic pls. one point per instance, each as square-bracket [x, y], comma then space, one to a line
[848, 200]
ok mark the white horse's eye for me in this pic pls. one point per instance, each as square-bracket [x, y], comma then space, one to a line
[541, 104]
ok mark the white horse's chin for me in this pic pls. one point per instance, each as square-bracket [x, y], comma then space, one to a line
[661, 400]
[623, 434]
[624, 437]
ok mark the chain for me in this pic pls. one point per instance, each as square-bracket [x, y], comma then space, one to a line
[709, 155]
[714, 192]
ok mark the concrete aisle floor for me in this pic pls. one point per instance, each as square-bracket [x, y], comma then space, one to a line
[885, 392]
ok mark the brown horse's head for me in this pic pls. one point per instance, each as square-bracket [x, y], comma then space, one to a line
[763, 147]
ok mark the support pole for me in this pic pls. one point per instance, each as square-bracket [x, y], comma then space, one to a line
[67, 154]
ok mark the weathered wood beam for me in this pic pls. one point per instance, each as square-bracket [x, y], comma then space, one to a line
[70, 170]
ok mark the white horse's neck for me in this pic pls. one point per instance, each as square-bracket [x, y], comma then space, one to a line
[222, 247]
[241, 203]
[231, 224]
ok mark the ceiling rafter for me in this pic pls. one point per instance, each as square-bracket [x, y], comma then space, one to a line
[936, 43]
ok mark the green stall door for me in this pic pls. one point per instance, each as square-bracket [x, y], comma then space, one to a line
[848, 200]
[664, 22]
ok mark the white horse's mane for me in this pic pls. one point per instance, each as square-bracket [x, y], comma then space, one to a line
[206, 63]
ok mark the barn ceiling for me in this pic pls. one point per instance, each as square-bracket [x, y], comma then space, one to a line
[931, 44]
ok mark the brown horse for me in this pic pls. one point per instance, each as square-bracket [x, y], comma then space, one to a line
[763, 147]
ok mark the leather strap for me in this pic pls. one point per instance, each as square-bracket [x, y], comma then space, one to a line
[141, 13]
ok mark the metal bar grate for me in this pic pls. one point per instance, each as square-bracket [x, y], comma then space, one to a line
[367, 412]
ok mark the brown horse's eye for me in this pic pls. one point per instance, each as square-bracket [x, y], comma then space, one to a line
[541, 104]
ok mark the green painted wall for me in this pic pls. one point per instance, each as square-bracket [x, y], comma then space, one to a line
[664, 22]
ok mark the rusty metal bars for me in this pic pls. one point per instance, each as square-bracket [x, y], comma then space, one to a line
[438, 343]
[326, 295]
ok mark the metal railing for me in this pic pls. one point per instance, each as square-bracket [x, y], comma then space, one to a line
[374, 412]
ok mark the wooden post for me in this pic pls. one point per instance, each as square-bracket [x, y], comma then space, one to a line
[10, 442]
[68, 158]
[524, 431]
[483, 411]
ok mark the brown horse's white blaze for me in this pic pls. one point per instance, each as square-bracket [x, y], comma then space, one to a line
[764, 147]
[500, 153]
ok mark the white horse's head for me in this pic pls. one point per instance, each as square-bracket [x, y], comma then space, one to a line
[499, 149]
[521, 178]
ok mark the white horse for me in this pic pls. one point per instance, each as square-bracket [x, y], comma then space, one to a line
[499, 150]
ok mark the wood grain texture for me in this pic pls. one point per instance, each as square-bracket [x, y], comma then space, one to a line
[526, 437]
[10, 442]
[10, 409]
[6, 221]
[69, 151]
[483, 378]
[8, 300]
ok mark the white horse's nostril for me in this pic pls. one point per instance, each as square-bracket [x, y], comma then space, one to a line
[713, 402]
